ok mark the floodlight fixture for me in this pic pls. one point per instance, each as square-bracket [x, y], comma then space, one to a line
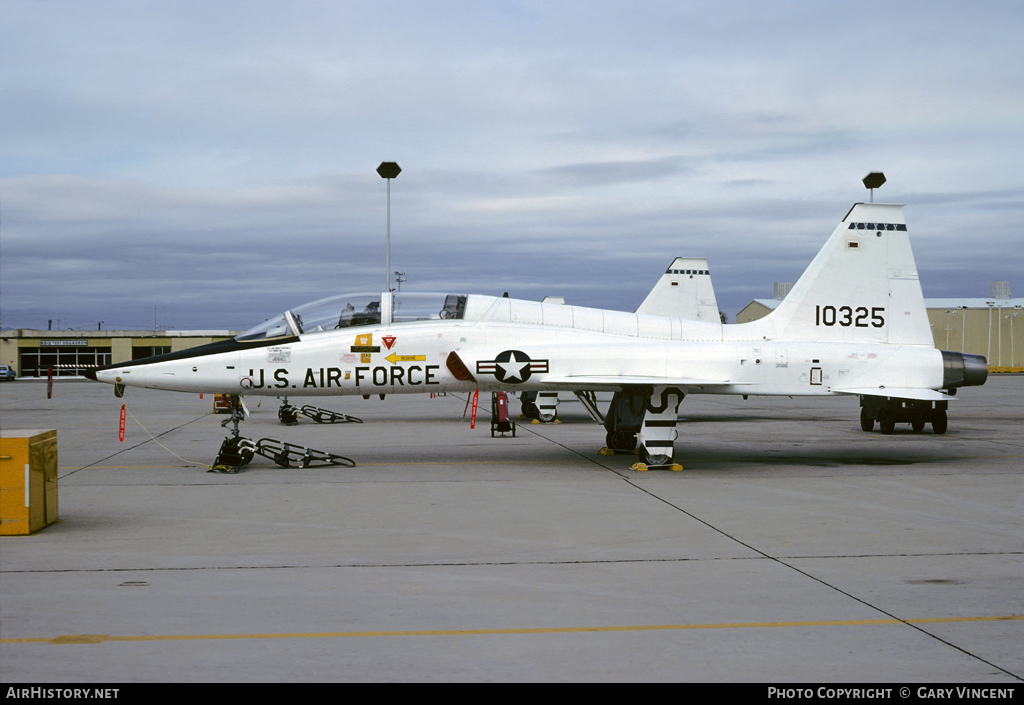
[872, 181]
[390, 170]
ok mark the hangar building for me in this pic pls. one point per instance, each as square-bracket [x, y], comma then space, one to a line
[32, 352]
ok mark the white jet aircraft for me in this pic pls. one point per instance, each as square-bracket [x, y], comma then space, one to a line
[853, 324]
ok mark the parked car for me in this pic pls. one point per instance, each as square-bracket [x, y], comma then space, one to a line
[7, 372]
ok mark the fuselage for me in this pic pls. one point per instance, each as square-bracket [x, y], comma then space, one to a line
[553, 346]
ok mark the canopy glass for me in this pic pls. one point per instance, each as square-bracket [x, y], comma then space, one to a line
[358, 309]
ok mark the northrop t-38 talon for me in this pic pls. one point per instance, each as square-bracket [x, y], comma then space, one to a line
[853, 324]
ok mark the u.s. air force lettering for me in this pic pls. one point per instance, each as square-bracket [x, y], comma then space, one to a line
[396, 376]
[513, 366]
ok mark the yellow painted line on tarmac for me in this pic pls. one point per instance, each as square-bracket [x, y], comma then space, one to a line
[100, 638]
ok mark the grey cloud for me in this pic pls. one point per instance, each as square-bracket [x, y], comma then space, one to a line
[216, 160]
[604, 173]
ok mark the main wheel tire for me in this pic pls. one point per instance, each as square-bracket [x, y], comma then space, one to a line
[918, 425]
[866, 423]
[620, 440]
[939, 422]
[653, 460]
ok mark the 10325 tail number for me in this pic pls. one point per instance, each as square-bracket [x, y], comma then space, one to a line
[860, 317]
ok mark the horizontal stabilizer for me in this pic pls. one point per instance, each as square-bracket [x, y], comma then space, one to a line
[897, 393]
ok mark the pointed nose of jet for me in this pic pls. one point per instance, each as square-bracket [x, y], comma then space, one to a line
[102, 374]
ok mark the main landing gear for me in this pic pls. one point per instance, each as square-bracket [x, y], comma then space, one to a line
[623, 421]
[542, 407]
[644, 419]
[888, 412]
[237, 451]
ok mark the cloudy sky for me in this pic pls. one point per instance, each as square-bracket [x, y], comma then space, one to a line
[208, 164]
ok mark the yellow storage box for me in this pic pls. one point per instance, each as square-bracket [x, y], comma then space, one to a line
[28, 480]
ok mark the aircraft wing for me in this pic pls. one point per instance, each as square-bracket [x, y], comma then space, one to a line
[897, 393]
[619, 380]
[516, 366]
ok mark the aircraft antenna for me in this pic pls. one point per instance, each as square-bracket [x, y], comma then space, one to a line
[872, 181]
[388, 170]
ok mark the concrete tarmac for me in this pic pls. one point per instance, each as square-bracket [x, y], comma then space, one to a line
[793, 547]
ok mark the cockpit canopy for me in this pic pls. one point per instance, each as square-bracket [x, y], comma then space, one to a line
[360, 309]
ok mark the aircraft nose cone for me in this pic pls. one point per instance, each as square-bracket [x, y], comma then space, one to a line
[90, 374]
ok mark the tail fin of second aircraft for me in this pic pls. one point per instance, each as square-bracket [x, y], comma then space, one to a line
[683, 291]
[861, 287]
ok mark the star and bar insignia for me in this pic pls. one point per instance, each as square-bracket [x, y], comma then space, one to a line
[511, 366]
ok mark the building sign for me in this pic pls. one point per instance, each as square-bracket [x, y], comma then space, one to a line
[77, 342]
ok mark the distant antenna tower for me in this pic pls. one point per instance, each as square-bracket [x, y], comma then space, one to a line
[872, 181]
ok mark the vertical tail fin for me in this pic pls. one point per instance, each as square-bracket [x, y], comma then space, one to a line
[683, 291]
[861, 287]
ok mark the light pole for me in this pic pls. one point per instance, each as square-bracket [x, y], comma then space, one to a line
[388, 170]
[1012, 356]
[990, 304]
[963, 330]
[999, 320]
[399, 277]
